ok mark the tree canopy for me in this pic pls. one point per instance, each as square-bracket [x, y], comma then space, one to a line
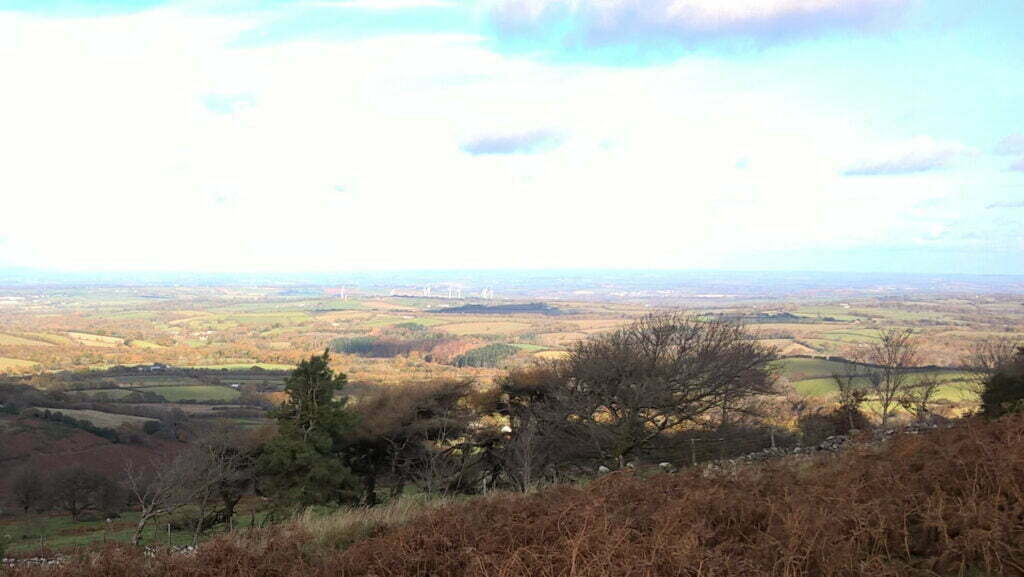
[303, 463]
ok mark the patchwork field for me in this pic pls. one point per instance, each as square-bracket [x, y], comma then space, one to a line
[272, 328]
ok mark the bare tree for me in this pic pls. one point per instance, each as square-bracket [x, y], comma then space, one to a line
[893, 356]
[28, 488]
[988, 357]
[79, 489]
[158, 490]
[619, 391]
[919, 397]
[851, 384]
[218, 467]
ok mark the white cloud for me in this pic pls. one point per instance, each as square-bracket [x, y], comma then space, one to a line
[511, 143]
[1011, 145]
[617, 20]
[922, 154]
[380, 4]
[349, 154]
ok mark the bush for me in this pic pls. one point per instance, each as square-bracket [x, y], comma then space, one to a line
[819, 425]
[1004, 393]
[936, 504]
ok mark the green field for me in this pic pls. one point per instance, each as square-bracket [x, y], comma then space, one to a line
[101, 419]
[144, 379]
[244, 366]
[195, 393]
[62, 533]
[797, 368]
[172, 393]
[391, 321]
[955, 385]
[529, 348]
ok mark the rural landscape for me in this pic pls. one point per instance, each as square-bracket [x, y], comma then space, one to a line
[511, 288]
[114, 397]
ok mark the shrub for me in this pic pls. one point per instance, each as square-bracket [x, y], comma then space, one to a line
[818, 426]
[946, 503]
[1004, 393]
[1004, 390]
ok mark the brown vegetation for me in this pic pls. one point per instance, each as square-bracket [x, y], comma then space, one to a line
[946, 503]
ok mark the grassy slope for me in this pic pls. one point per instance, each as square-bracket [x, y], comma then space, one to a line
[195, 393]
[947, 503]
[100, 418]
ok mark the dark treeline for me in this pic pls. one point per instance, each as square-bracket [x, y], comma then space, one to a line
[505, 309]
[387, 346]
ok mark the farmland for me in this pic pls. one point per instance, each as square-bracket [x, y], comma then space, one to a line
[136, 379]
[225, 328]
[102, 419]
[198, 393]
[16, 365]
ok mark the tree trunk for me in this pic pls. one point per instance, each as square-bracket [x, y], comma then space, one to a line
[370, 483]
[137, 536]
[200, 521]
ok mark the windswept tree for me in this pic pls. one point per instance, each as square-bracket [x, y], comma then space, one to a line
[893, 357]
[303, 464]
[619, 391]
[404, 430]
[541, 430]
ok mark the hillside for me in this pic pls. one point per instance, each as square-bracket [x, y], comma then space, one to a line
[950, 502]
[49, 445]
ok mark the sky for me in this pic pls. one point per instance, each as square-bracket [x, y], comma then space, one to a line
[333, 135]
